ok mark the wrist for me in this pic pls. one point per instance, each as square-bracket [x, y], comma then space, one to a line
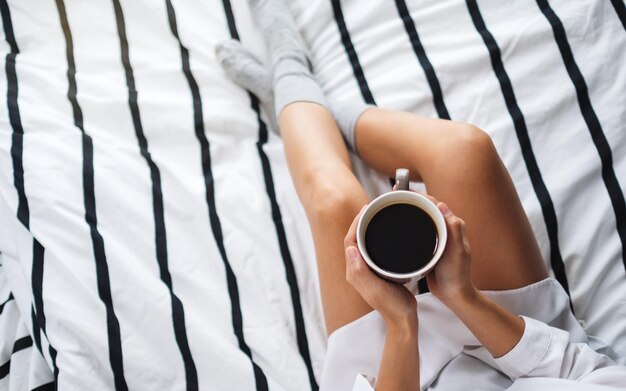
[404, 326]
[460, 296]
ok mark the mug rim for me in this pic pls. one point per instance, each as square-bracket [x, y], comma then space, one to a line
[403, 197]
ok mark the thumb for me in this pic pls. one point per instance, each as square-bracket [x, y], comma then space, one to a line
[358, 273]
[457, 239]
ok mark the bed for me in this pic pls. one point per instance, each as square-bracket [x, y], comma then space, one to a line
[150, 236]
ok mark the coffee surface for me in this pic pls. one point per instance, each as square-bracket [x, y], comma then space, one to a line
[401, 238]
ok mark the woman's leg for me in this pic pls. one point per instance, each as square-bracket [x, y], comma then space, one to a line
[331, 195]
[316, 154]
[460, 166]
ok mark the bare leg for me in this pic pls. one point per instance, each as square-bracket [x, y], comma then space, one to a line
[460, 166]
[316, 154]
[331, 195]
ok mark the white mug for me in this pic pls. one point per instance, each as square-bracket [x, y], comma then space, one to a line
[402, 196]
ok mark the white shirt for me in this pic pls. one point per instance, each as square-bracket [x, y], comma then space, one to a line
[544, 359]
[451, 358]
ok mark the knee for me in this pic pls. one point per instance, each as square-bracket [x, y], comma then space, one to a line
[473, 140]
[471, 148]
[331, 201]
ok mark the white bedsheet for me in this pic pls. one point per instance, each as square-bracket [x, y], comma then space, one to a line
[235, 216]
[233, 321]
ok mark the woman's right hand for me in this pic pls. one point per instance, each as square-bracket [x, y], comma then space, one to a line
[394, 302]
[450, 279]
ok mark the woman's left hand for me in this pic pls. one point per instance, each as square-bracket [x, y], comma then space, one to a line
[450, 279]
[394, 302]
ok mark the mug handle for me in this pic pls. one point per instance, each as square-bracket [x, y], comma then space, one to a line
[402, 179]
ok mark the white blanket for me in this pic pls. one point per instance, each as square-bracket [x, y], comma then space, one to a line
[149, 231]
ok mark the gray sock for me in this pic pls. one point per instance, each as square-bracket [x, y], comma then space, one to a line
[347, 114]
[293, 81]
[248, 72]
[245, 69]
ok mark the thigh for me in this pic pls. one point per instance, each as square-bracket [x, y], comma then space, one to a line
[460, 166]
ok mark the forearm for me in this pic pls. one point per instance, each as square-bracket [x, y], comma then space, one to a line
[399, 368]
[497, 329]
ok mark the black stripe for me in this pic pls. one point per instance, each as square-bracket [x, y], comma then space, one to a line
[591, 119]
[290, 272]
[230, 19]
[37, 313]
[102, 270]
[354, 59]
[366, 93]
[418, 48]
[38, 318]
[17, 149]
[46, 387]
[6, 301]
[620, 8]
[216, 227]
[14, 115]
[191, 374]
[547, 206]
[36, 328]
[422, 286]
[5, 369]
[178, 316]
[233, 289]
[22, 343]
[292, 281]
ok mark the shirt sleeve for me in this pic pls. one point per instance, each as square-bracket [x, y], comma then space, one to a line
[363, 383]
[547, 352]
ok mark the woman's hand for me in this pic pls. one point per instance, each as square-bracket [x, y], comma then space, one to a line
[495, 327]
[393, 301]
[399, 366]
[450, 279]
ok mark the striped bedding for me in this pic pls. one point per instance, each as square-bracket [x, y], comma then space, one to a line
[150, 237]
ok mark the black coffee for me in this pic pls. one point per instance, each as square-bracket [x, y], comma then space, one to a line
[401, 238]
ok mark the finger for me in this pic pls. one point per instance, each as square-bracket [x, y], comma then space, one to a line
[359, 275]
[456, 228]
[350, 238]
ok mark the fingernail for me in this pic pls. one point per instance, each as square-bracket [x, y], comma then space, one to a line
[443, 208]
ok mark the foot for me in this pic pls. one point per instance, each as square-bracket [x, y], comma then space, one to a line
[249, 73]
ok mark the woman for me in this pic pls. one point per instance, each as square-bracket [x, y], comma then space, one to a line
[464, 335]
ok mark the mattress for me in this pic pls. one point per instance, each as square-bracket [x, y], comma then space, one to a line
[150, 235]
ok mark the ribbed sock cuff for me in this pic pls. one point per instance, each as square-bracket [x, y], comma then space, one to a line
[347, 115]
[296, 87]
